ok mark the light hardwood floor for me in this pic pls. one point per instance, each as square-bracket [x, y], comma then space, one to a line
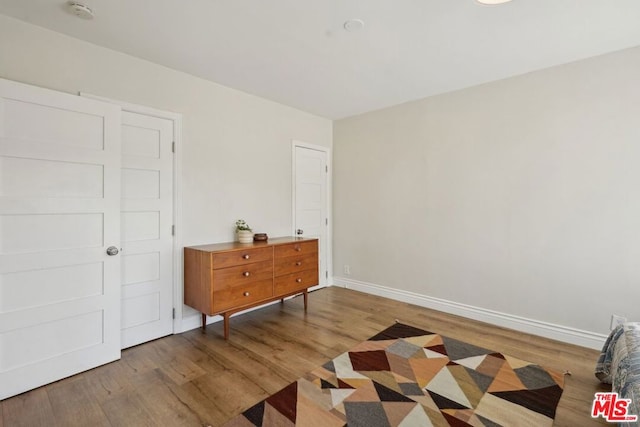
[195, 379]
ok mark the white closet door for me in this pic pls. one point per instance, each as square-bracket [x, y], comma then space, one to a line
[310, 206]
[147, 218]
[59, 212]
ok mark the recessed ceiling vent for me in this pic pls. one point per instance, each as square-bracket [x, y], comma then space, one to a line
[80, 10]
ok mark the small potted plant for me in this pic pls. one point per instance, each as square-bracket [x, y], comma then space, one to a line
[245, 235]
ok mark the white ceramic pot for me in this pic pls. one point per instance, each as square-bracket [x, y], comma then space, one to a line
[245, 236]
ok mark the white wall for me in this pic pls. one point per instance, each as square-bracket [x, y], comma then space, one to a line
[236, 147]
[520, 196]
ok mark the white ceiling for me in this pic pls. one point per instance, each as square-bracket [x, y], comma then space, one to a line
[297, 52]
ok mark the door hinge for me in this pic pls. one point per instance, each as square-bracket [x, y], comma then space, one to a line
[173, 147]
[326, 221]
[326, 168]
[173, 230]
[173, 313]
[326, 274]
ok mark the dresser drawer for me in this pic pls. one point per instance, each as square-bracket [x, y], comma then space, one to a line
[295, 264]
[296, 248]
[238, 296]
[241, 257]
[295, 281]
[224, 278]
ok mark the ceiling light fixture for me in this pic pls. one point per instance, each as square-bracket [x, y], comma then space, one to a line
[80, 10]
[492, 2]
[353, 25]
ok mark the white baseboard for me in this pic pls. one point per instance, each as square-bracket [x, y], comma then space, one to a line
[548, 330]
[195, 321]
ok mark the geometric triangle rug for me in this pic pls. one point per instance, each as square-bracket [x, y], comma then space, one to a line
[407, 377]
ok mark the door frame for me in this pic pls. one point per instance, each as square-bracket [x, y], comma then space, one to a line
[176, 118]
[327, 150]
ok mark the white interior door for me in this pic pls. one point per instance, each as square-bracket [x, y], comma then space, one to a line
[147, 219]
[310, 201]
[59, 212]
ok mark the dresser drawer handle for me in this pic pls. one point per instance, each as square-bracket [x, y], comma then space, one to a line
[246, 274]
[246, 256]
[299, 280]
[246, 294]
[299, 263]
[298, 248]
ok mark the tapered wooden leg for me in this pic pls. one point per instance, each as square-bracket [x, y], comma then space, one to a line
[204, 322]
[306, 294]
[282, 301]
[226, 325]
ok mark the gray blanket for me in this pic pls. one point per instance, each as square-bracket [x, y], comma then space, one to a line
[619, 364]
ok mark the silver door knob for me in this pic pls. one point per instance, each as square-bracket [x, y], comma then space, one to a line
[299, 232]
[112, 250]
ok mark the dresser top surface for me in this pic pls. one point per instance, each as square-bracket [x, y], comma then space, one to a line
[229, 246]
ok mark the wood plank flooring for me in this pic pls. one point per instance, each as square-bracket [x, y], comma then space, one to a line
[196, 379]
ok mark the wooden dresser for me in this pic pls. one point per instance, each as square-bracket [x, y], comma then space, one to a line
[225, 278]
